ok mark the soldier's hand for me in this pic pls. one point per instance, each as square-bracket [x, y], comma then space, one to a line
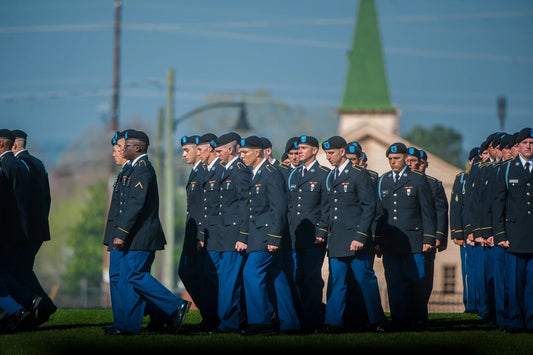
[241, 247]
[199, 245]
[319, 240]
[459, 242]
[470, 242]
[378, 251]
[356, 245]
[427, 247]
[504, 244]
[118, 243]
[490, 241]
[273, 248]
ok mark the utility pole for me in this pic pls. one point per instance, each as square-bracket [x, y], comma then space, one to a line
[116, 67]
[168, 260]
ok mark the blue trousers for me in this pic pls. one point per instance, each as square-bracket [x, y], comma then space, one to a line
[137, 286]
[309, 285]
[471, 276]
[199, 276]
[520, 276]
[263, 271]
[7, 303]
[462, 255]
[499, 256]
[362, 265]
[407, 288]
[229, 265]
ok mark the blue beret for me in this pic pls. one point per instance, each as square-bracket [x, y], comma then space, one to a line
[354, 148]
[365, 158]
[189, 140]
[413, 151]
[19, 134]
[116, 137]
[396, 148]
[423, 155]
[266, 142]
[252, 142]
[483, 146]
[308, 140]
[134, 134]
[227, 138]
[335, 142]
[6, 133]
[292, 143]
[524, 134]
[474, 152]
[207, 138]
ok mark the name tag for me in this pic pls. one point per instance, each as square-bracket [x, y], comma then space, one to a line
[513, 181]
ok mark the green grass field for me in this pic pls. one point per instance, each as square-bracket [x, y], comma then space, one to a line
[70, 331]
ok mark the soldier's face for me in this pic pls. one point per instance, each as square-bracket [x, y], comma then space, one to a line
[412, 162]
[507, 153]
[203, 151]
[223, 153]
[293, 157]
[485, 155]
[306, 152]
[396, 161]
[117, 152]
[250, 156]
[189, 153]
[334, 156]
[525, 148]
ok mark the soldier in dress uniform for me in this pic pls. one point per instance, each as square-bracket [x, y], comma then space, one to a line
[194, 259]
[263, 273]
[418, 160]
[209, 226]
[38, 228]
[16, 315]
[406, 236]
[352, 209]
[308, 209]
[138, 234]
[457, 225]
[233, 211]
[268, 151]
[513, 215]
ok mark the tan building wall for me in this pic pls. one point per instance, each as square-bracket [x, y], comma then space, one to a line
[375, 139]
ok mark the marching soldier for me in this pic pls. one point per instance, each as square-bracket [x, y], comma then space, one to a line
[513, 215]
[194, 259]
[38, 228]
[263, 272]
[406, 236]
[233, 211]
[308, 210]
[138, 234]
[352, 208]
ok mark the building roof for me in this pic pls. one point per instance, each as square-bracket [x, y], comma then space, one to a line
[366, 88]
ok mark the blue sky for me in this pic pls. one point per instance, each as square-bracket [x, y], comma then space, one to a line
[446, 61]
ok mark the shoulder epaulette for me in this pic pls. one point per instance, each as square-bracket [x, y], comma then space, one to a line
[322, 167]
[269, 168]
[418, 172]
[283, 166]
[240, 165]
[357, 167]
[432, 178]
[372, 172]
[486, 163]
[460, 173]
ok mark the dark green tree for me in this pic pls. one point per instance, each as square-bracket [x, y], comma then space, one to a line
[446, 143]
[85, 241]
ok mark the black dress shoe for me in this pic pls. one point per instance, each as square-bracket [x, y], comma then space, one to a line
[176, 319]
[35, 302]
[20, 320]
[44, 311]
[259, 329]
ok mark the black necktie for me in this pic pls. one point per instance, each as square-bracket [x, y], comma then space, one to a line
[336, 173]
[527, 168]
[304, 170]
[395, 177]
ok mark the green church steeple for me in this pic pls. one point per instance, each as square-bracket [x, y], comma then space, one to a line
[366, 88]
